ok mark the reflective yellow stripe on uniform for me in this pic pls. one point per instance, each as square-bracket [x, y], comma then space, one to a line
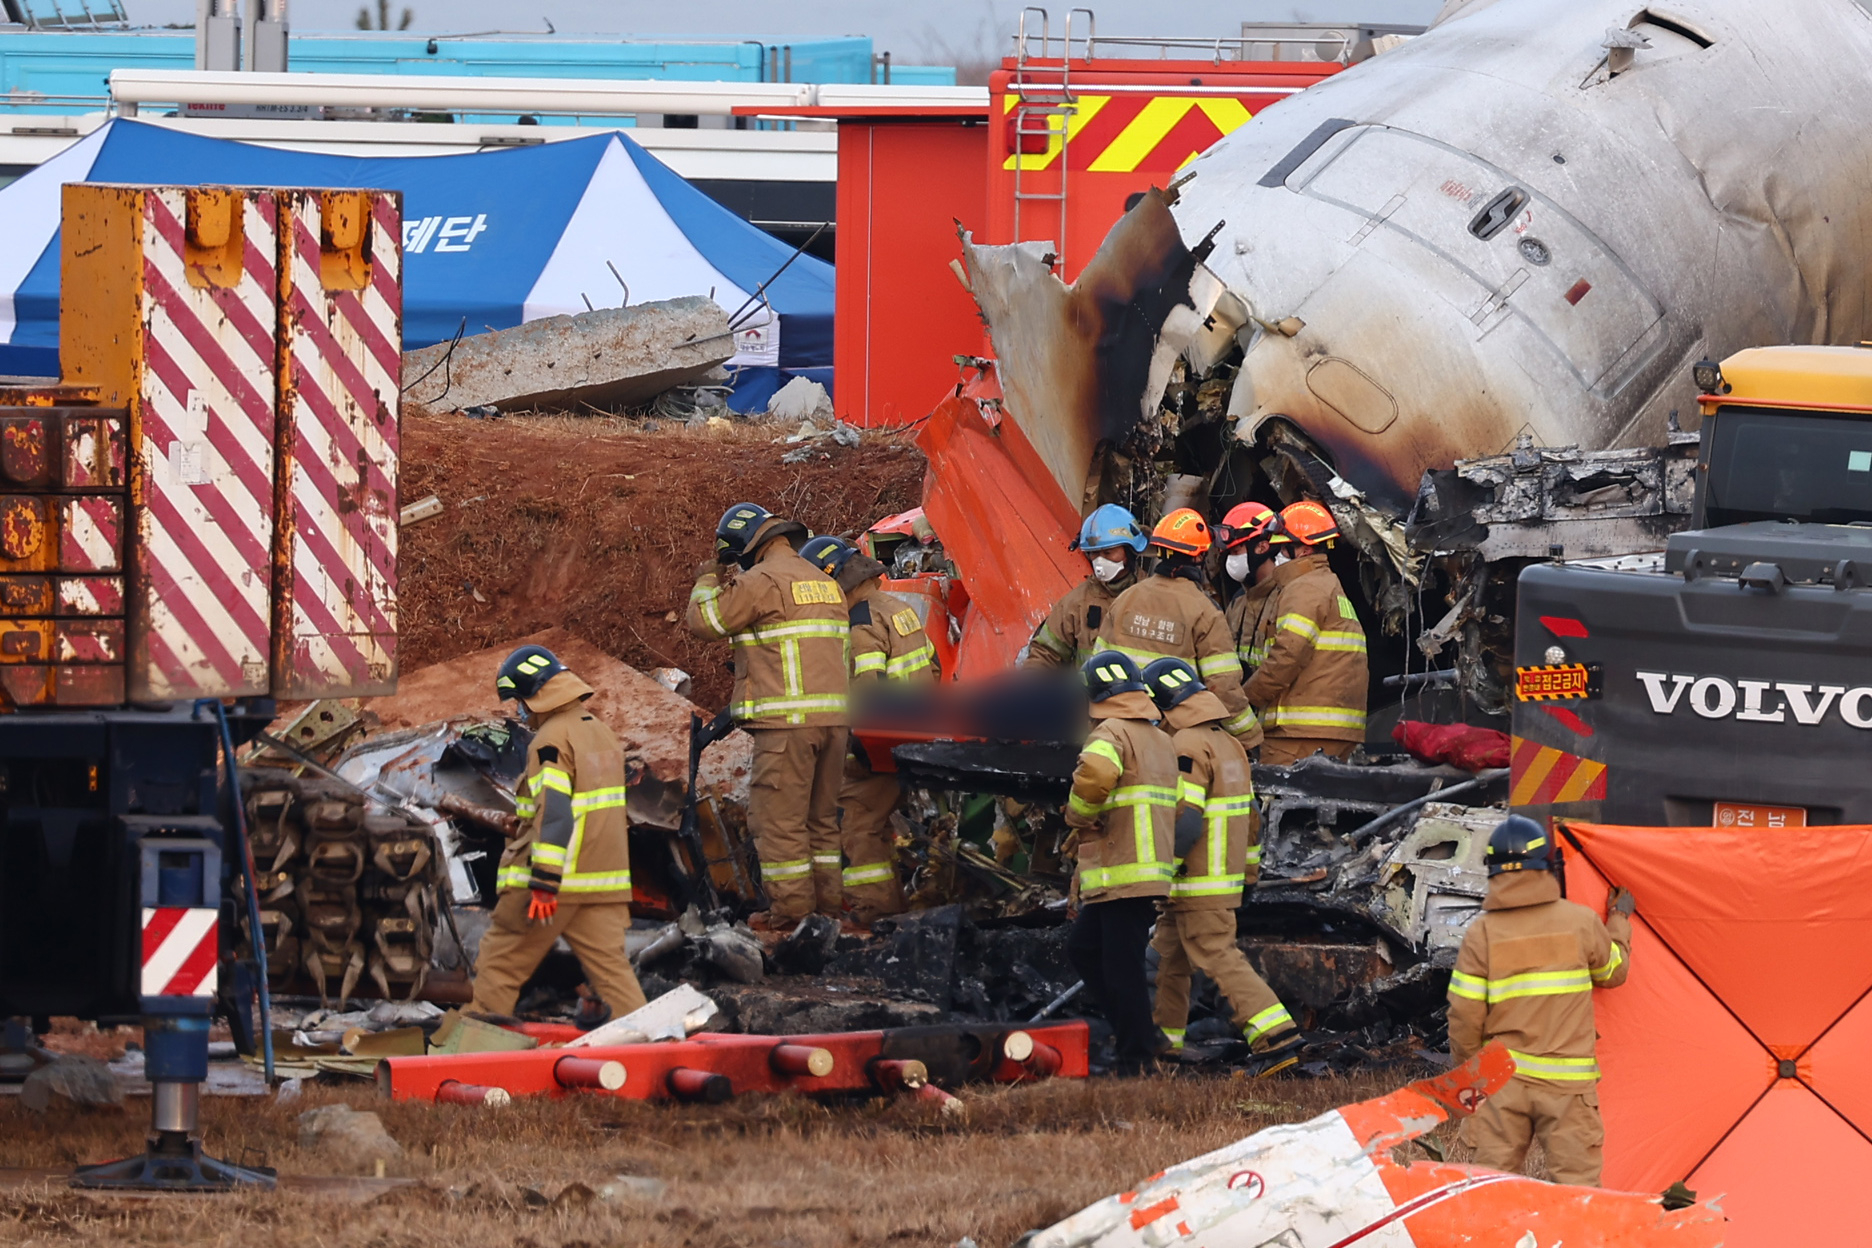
[708, 606]
[1241, 723]
[1554, 1067]
[869, 873]
[1119, 877]
[1190, 793]
[1217, 664]
[795, 709]
[1314, 717]
[795, 630]
[792, 869]
[1296, 623]
[1339, 639]
[1538, 984]
[610, 797]
[1254, 856]
[868, 662]
[1272, 1019]
[1175, 1035]
[826, 862]
[1105, 750]
[908, 664]
[516, 875]
[1602, 973]
[1143, 798]
[1468, 987]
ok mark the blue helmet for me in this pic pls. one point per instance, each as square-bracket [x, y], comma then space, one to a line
[828, 554]
[1171, 681]
[1109, 526]
[1518, 843]
[1109, 673]
[525, 672]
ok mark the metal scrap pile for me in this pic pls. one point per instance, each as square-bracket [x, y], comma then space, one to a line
[349, 893]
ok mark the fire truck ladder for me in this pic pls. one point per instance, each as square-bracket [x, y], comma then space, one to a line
[1044, 105]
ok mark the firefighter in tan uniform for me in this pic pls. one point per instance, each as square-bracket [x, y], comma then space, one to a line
[1525, 976]
[888, 645]
[787, 621]
[567, 872]
[1112, 539]
[1167, 615]
[1218, 855]
[1310, 686]
[1249, 562]
[1123, 810]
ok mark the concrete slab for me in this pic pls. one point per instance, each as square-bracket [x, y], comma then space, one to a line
[611, 355]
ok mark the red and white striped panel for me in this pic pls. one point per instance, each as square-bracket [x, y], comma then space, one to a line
[340, 391]
[181, 951]
[202, 609]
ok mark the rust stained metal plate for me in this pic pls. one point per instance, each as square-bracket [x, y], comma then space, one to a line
[25, 459]
[91, 535]
[90, 595]
[27, 685]
[25, 641]
[100, 685]
[88, 641]
[92, 448]
[23, 532]
[25, 595]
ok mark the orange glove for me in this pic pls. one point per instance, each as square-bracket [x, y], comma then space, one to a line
[543, 907]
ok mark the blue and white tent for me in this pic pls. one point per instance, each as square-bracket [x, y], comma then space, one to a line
[491, 239]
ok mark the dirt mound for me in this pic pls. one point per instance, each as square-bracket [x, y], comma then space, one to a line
[593, 525]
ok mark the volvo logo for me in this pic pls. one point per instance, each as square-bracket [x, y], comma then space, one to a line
[1756, 701]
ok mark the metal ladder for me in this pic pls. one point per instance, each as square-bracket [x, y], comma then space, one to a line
[1044, 105]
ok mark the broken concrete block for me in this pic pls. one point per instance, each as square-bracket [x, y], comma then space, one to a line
[71, 1082]
[352, 1138]
[800, 399]
[613, 355]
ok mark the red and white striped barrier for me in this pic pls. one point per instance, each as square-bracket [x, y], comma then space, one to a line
[181, 951]
[342, 351]
[204, 424]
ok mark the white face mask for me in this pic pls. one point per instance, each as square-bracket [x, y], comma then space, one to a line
[1237, 565]
[1107, 570]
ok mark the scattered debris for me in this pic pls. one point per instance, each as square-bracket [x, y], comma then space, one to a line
[675, 1014]
[423, 508]
[69, 1083]
[611, 355]
[1338, 1180]
[801, 399]
[348, 1137]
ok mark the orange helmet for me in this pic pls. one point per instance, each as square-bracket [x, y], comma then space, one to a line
[1245, 522]
[1306, 522]
[1182, 531]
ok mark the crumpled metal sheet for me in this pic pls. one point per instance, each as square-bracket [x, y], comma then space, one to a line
[1703, 200]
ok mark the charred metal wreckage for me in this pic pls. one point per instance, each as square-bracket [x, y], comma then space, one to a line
[1455, 293]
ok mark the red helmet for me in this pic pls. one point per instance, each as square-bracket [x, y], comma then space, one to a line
[1306, 522]
[1182, 531]
[1244, 523]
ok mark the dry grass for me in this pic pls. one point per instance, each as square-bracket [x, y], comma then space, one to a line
[780, 1172]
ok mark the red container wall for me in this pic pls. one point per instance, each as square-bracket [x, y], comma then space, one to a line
[1134, 125]
[902, 315]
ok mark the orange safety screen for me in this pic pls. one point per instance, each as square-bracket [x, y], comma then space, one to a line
[1734, 1056]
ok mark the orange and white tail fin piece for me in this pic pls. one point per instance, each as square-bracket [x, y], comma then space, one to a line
[1332, 1183]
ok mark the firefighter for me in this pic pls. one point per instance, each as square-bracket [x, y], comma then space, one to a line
[1249, 562]
[1122, 810]
[567, 872]
[1168, 615]
[787, 621]
[1218, 854]
[1525, 976]
[1309, 688]
[887, 645]
[1112, 538]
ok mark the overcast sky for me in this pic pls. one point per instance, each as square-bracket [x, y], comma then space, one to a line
[921, 31]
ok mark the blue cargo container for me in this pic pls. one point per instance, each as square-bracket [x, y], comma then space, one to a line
[67, 72]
